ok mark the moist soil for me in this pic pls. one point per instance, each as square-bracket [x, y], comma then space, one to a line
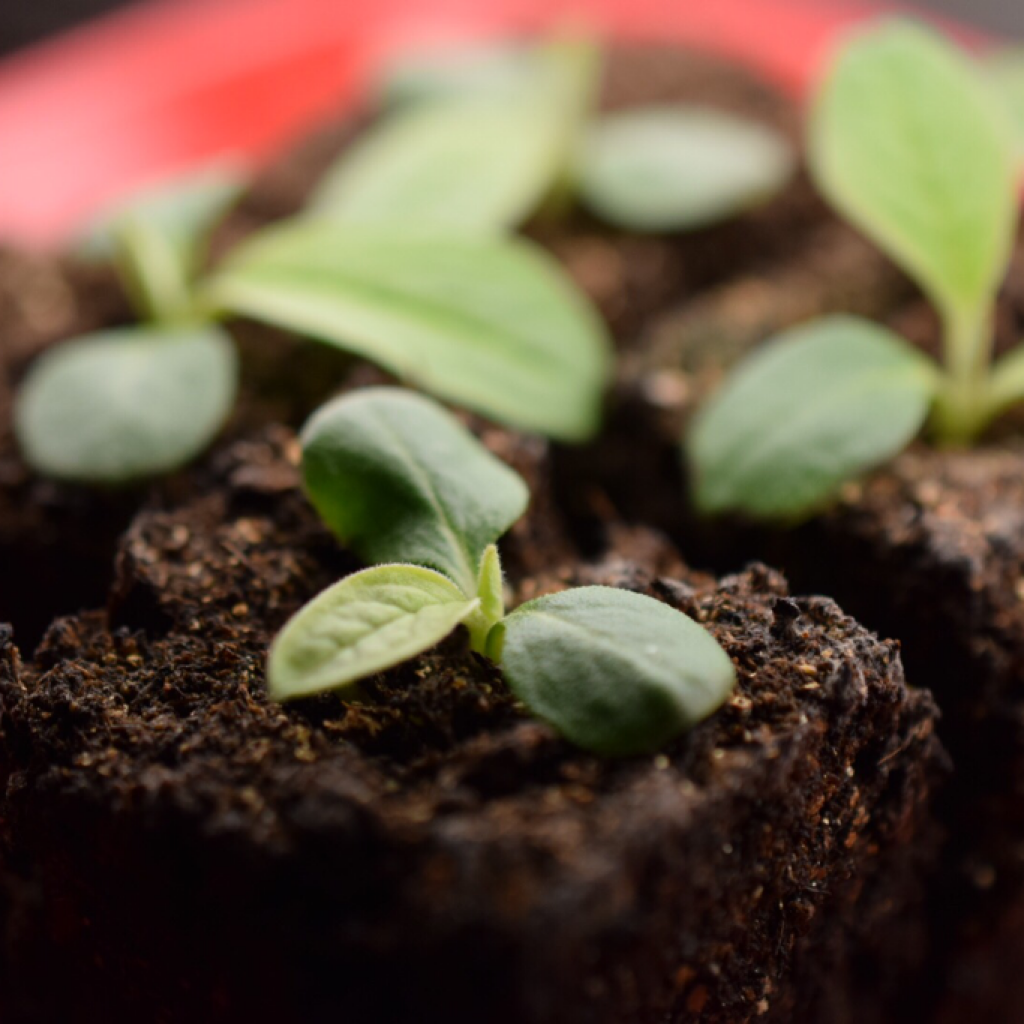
[929, 550]
[142, 728]
[434, 854]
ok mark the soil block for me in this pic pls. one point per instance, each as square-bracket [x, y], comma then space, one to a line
[929, 550]
[174, 847]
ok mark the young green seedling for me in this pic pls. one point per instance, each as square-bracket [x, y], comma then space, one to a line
[404, 484]
[121, 404]
[484, 137]
[911, 146]
[489, 322]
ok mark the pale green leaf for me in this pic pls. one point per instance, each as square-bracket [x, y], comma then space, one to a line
[613, 671]
[491, 324]
[124, 404]
[459, 71]
[368, 622]
[397, 478]
[490, 586]
[909, 144]
[670, 168]
[462, 165]
[570, 80]
[808, 411]
[157, 238]
[182, 210]
[1005, 72]
[1006, 385]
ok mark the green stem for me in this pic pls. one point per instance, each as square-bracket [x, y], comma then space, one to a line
[479, 626]
[962, 408]
[153, 274]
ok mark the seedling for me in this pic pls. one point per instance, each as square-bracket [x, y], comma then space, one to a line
[135, 401]
[484, 137]
[402, 483]
[910, 145]
[488, 322]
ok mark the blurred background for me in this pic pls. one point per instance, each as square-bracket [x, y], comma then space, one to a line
[25, 21]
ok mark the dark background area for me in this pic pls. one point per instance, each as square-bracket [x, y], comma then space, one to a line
[25, 21]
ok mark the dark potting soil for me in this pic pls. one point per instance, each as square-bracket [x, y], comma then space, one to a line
[510, 877]
[933, 547]
[929, 550]
[175, 847]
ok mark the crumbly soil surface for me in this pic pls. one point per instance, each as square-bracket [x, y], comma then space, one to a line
[435, 854]
[941, 536]
[929, 550]
[437, 827]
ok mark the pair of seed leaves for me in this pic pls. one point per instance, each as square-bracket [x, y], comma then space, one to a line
[408, 488]
[911, 146]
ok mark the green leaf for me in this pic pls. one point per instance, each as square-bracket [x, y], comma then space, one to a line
[368, 622]
[398, 479]
[570, 73]
[669, 168]
[1005, 72]
[555, 84]
[494, 325]
[462, 165]
[908, 143]
[490, 586]
[158, 237]
[454, 72]
[1006, 385]
[124, 404]
[808, 411]
[613, 671]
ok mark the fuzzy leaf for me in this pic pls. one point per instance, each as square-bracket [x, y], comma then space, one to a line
[613, 671]
[908, 143]
[125, 404]
[398, 479]
[806, 412]
[490, 586]
[671, 168]
[368, 622]
[494, 325]
[462, 165]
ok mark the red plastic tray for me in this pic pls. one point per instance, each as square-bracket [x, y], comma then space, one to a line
[154, 90]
